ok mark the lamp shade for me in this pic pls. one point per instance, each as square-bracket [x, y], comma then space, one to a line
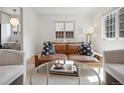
[14, 21]
[91, 30]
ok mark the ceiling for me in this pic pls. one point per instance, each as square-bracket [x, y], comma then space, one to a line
[66, 10]
[10, 11]
[56, 10]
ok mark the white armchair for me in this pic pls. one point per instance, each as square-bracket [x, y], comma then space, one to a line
[11, 66]
[114, 65]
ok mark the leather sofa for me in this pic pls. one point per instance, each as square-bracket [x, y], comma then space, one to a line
[114, 66]
[69, 51]
[11, 67]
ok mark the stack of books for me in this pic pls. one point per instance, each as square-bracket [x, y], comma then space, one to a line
[66, 69]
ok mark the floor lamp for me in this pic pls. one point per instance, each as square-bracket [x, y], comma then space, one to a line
[88, 37]
[89, 33]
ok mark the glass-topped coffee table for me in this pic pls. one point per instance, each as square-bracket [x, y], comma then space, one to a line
[64, 72]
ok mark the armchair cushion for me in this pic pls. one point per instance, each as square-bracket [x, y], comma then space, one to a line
[114, 56]
[116, 71]
[9, 73]
[11, 57]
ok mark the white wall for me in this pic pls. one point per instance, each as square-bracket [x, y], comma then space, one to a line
[47, 25]
[30, 32]
[98, 43]
[40, 28]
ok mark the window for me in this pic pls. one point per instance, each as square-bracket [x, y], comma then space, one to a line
[64, 30]
[121, 22]
[15, 33]
[110, 25]
[15, 30]
[113, 24]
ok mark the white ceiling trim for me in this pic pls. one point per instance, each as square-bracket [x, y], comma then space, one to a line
[66, 10]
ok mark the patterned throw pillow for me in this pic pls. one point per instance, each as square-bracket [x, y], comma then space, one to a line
[48, 49]
[51, 47]
[86, 49]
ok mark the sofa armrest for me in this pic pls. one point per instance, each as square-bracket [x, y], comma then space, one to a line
[36, 60]
[11, 57]
[99, 58]
[114, 56]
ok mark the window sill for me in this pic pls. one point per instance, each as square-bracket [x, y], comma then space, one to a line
[121, 38]
[109, 38]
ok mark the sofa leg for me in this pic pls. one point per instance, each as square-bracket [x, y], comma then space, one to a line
[111, 81]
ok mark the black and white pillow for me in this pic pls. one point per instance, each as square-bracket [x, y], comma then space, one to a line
[86, 49]
[48, 49]
[51, 47]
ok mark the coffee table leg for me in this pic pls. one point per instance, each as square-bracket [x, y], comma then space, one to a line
[97, 76]
[79, 72]
[47, 73]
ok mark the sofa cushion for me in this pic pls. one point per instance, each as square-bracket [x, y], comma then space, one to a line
[9, 73]
[60, 48]
[81, 58]
[52, 57]
[59, 57]
[73, 48]
[115, 70]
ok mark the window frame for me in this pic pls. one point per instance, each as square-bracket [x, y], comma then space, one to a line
[104, 32]
[117, 26]
[65, 38]
[120, 38]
